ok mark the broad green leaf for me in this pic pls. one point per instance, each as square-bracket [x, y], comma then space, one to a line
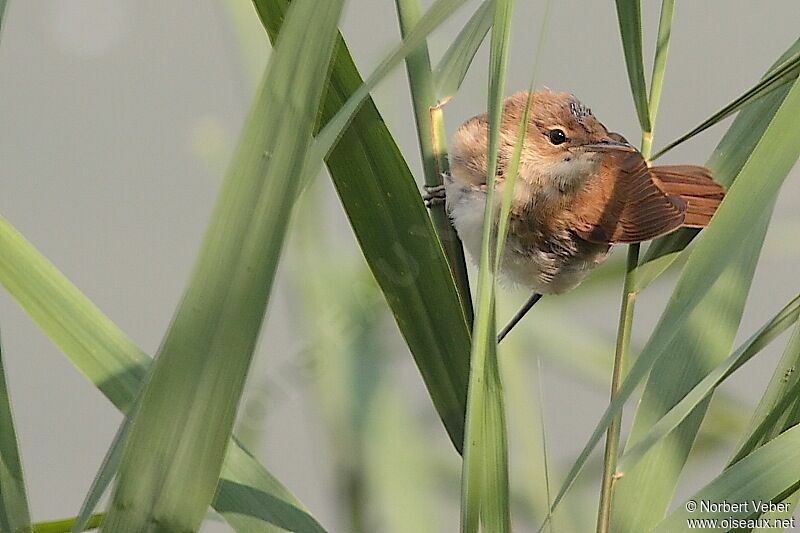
[14, 514]
[250, 499]
[172, 458]
[726, 162]
[629, 13]
[761, 476]
[388, 217]
[484, 481]
[454, 64]
[699, 325]
[433, 146]
[777, 410]
[677, 414]
[714, 273]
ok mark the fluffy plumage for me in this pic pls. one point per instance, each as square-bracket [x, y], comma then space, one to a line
[572, 199]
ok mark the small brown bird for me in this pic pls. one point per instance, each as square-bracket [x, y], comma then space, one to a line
[580, 190]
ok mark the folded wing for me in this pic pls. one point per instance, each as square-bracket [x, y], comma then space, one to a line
[623, 203]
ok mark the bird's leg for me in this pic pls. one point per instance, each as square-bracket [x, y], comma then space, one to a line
[535, 297]
[434, 195]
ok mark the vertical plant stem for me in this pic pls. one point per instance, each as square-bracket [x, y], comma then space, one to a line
[432, 145]
[620, 354]
[629, 288]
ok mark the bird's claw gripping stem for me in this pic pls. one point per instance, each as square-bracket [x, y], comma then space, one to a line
[434, 195]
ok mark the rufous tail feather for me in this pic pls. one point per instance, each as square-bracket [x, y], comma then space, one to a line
[695, 186]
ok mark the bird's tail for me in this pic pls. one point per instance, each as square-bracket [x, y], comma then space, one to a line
[694, 185]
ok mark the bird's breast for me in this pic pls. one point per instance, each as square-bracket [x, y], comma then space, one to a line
[541, 252]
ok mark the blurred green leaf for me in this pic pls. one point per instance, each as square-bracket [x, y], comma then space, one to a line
[173, 456]
[699, 325]
[3, 4]
[485, 495]
[388, 217]
[402, 467]
[629, 13]
[347, 355]
[14, 514]
[778, 409]
[110, 360]
[65, 526]
[678, 413]
[709, 295]
[726, 163]
[248, 495]
[761, 476]
[454, 64]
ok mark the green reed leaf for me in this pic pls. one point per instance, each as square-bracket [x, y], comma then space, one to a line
[761, 476]
[384, 207]
[629, 13]
[14, 514]
[684, 408]
[453, 67]
[484, 481]
[173, 456]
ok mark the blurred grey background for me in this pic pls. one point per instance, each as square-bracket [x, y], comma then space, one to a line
[116, 122]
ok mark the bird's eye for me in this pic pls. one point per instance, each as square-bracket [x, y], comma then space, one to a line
[557, 136]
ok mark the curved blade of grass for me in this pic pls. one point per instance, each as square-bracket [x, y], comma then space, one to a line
[14, 513]
[454, 64]
[105, 474]
[173, 457]
[773, 414]
[678, 413]
[433, 147]
[711, 285]
[65, 526]
[780, 76]
[726, 162]
[484, 480]
[763, 475]
[629, 13]
[384, 207]
[698, 339]
[250, 499]
[659, 68]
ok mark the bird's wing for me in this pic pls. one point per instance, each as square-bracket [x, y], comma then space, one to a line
[621, 203]
[695, 186]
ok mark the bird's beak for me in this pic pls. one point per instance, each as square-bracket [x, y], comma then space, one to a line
[609, 146]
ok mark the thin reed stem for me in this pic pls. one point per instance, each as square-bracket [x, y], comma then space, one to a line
[629, 287]
[433, 147]
[620, 355]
